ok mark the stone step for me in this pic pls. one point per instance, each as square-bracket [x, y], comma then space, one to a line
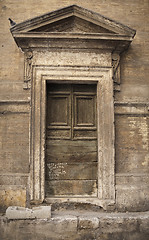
[42, 212]
[76, 225]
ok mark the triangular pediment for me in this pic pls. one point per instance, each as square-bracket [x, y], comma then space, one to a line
[72, 24]
[73, 19]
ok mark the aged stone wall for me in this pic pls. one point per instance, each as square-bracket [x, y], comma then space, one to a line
[76, 226]
[131, 102]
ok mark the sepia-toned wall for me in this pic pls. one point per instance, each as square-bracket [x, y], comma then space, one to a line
[131, 102]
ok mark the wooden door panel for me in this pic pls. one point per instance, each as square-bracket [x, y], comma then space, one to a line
[84, 134]
[72, 171]
[71, 151]
[71, 157]
[58, 110]
[67, 145]
[84, 88]
[71, 188]
[61, 133]
[59, 116]
[84, 111]
[71, 143]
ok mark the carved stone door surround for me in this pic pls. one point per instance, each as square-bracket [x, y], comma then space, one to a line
[73, 45]
[105, 124]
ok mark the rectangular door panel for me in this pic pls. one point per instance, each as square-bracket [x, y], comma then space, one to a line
[61, 133]
[84, 134]
[58, 116]
[72, 171]
[58, 110]
[71, 151]
[84, 111]
[71, 188]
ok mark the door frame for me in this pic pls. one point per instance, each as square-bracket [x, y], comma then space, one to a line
[102, 76]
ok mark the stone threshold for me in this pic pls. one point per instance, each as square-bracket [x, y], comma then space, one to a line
[99, 214]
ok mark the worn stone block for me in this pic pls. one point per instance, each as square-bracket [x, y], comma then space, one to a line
[42, 212]
[88, 222]
[132, 197]
[144, 224]
[69, 223]
[12, 195]
[19, 213]
[117, 224]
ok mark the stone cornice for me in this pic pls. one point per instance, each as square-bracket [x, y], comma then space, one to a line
[73, 10]
[70, 35]
[51, 26]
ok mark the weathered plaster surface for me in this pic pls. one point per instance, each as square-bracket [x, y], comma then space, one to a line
[132, 101]
[11, 195]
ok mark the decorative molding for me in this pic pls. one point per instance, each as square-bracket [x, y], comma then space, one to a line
[27, 69]
[141, 104]
[132, 175]
[131, 108]
[12, 112]
[116, 71]
[103, 78]
[14, 101]
[15, 174]
[14, 107]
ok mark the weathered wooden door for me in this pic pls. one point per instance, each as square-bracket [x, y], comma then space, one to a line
[71, 142]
